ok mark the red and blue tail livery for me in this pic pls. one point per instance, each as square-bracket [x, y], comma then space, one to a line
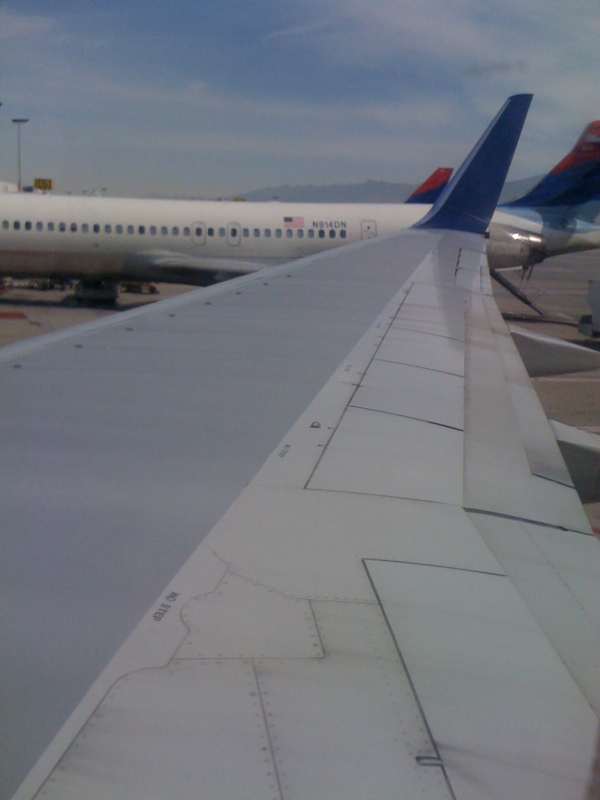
[430, 189]
[574, 180]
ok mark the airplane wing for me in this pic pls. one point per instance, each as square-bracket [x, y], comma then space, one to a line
[170, 267]
[402, 601]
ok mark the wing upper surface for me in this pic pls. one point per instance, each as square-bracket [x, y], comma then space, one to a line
[121, 444]
[402, 602]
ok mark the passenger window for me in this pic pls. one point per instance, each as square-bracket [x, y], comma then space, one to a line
[28, 226]
[222, 231]
[73, 227]
[108, 229]
[96, 228]
[278, 233]
[268, 233]
[119, 229]
[164, 230]
[332, 234]
[130, 229]
[300, 233]
[186, 231]
[289, 233]
[211, 231]
[39, 226]
[141, 230]
[234, 233]
[321, 234]
[17, 225]
[342, 234]
[50, 226]
[246, 233]
[152, 230]
[256, 233]
[311, 233]
[198, 232]
[175, 231]
[84, 227]
[5, 224]
[62, 226]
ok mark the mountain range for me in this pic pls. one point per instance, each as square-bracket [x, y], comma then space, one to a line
[367, 192]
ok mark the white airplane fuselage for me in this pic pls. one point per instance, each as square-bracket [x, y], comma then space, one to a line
[95, 235]
[98, 238]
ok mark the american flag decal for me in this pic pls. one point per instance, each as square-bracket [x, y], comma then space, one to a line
[293, 222]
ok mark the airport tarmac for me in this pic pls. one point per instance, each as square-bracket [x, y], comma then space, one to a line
[559, 287]
[26, 312]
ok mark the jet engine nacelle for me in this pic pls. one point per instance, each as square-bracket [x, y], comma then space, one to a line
[508, 247]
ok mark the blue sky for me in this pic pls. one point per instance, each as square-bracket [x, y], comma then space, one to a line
[213, 97]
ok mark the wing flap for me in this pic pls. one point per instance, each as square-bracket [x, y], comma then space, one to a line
[508, 440]
[566, 610]
[547, 355]
[581, 451]
[473, 651]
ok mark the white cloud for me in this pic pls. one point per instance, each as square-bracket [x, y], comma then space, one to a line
[20, 27]
[300, 31]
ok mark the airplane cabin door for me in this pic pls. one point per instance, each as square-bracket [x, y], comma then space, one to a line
[368, 229]
[234, 233]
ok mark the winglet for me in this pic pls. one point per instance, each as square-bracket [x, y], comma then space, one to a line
[469, 200]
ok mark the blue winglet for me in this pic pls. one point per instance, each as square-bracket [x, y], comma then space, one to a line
[469, 200]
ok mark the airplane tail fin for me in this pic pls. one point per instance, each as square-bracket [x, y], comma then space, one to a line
[574, 181]
[470, 198]
[430, 189]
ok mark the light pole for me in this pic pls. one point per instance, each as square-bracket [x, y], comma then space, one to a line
[18, 123]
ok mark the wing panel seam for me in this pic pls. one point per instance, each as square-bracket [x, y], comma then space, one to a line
[540, 523]
[419, 366]
[357, 385]
[436, 566]
[410, 680]
[267, 730]
[405, 416]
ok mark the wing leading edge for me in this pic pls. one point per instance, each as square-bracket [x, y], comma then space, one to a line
[401, 602]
